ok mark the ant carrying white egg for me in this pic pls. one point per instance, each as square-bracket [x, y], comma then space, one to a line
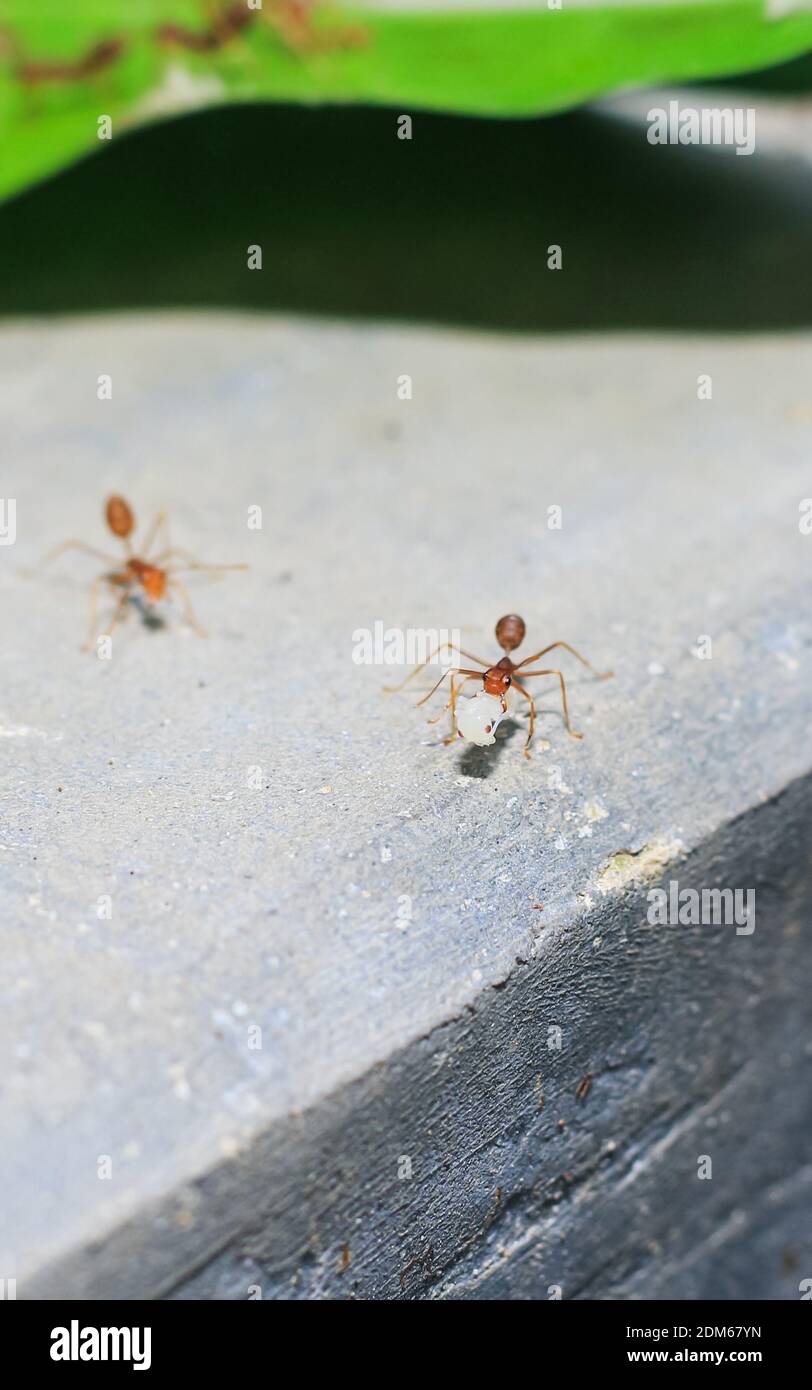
[476, 719]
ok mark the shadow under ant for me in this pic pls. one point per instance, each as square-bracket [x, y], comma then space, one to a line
[154, 622]
[481, 762]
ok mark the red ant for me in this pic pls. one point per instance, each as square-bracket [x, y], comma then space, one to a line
[35, 74]
[290, 18]
[225, 25]
[496, 681]
[153, 577]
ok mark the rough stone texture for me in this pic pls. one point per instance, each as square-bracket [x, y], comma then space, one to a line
[277, 906]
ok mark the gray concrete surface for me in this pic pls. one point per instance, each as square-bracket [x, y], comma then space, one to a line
[276, 905]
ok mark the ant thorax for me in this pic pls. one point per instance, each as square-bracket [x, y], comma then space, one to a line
[479, 717]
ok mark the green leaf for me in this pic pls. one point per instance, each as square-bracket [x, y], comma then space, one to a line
[505, 63]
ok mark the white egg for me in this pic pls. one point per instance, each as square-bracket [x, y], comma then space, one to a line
[478, 718]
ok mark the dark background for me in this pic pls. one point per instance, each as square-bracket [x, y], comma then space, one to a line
[452, 227]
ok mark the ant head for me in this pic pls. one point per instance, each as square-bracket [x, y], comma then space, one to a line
[119, 517]
[510, 632]
[496, 681]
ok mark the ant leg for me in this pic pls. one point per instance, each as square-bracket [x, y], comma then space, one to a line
[295, 27]
[192, 563]
[452, 671]
[290, 21]
[188, 611]
[77, 545]
[118, 613]
[93, 599]
[570, 729]
[455, 690]
[439, 716]
[452, 705]
[446, 646]
[159, 523]
[529, 698]
[94, 609]
[602, 675]
[170, 551]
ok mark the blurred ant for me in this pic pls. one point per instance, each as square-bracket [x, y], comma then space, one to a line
[292, 20]
[497, 680]
[150, 580]
[224, 25]
[36, 74]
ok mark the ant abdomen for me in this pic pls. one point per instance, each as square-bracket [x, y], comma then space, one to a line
[119, 516]
[510, 632]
